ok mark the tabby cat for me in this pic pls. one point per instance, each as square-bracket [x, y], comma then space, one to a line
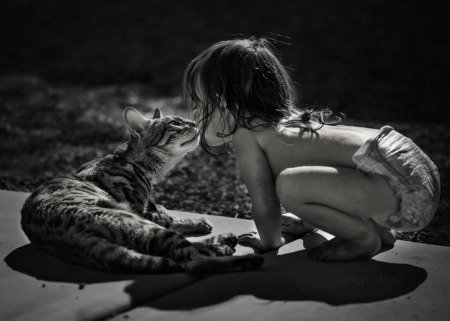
[102, 216]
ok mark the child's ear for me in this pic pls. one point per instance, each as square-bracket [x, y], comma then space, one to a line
[135, 121]
[157, 113]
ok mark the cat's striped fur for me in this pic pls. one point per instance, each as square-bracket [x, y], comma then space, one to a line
[102, 217]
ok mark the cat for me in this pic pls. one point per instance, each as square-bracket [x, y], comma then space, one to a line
[101, 217]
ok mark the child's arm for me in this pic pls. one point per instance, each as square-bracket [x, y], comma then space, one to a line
[260, 183]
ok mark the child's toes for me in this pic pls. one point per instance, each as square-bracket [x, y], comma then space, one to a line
[245, 238]
[249, 235]
[338, 250]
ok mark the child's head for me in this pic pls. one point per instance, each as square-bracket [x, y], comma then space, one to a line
[241, 80]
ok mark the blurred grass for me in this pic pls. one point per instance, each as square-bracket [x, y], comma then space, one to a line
[49, 131]
[69, 67]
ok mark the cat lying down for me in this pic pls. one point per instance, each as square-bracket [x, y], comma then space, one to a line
[102, 216]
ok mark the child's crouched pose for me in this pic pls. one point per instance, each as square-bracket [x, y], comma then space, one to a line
[359, 184]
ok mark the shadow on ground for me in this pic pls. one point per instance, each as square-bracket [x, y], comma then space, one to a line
[289, 277]
[294, 277]
[29, 260]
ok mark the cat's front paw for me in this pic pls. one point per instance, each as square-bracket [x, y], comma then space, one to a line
[203, 225]
[216, 250]
[161, 209]
[228, 239]
[218, 245]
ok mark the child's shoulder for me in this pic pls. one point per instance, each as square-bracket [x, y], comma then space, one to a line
[255, 134]
[243, 137]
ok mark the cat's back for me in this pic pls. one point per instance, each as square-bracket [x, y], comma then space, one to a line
[57, 201]
[92, 183]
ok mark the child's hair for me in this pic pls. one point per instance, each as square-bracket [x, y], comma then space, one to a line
[246, 77]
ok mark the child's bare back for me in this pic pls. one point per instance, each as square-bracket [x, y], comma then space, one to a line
[293, 147]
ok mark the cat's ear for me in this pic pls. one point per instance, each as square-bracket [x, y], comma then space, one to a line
[135, 121]
[157, 113]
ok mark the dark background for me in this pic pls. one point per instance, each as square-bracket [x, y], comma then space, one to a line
[385, 60]
[68, 69]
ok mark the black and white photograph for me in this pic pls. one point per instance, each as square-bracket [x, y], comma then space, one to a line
[224, 160]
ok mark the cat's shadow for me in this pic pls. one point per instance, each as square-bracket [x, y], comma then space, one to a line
[33, 262]
[289, 277]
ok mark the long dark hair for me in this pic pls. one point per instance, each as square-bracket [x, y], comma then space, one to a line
[246, 77]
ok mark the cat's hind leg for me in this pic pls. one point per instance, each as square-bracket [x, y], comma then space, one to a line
[213, 255]
[159, 215]
[118, 258]
[97, 252]
[148, 238]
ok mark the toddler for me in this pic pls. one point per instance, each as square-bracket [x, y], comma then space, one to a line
[358, 184]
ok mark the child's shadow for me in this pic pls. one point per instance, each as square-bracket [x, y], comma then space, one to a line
[295, 277]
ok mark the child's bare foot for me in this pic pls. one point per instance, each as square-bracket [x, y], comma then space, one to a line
[387, 236]
[338, 250]
[295, 226]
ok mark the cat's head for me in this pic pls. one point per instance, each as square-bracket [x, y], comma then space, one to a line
[171, 135]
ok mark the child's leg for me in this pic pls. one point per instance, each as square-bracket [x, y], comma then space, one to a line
[335, 199]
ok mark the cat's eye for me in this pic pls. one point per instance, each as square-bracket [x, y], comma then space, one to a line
[176, 123]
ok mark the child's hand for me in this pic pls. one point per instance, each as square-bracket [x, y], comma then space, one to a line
[253, 240]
